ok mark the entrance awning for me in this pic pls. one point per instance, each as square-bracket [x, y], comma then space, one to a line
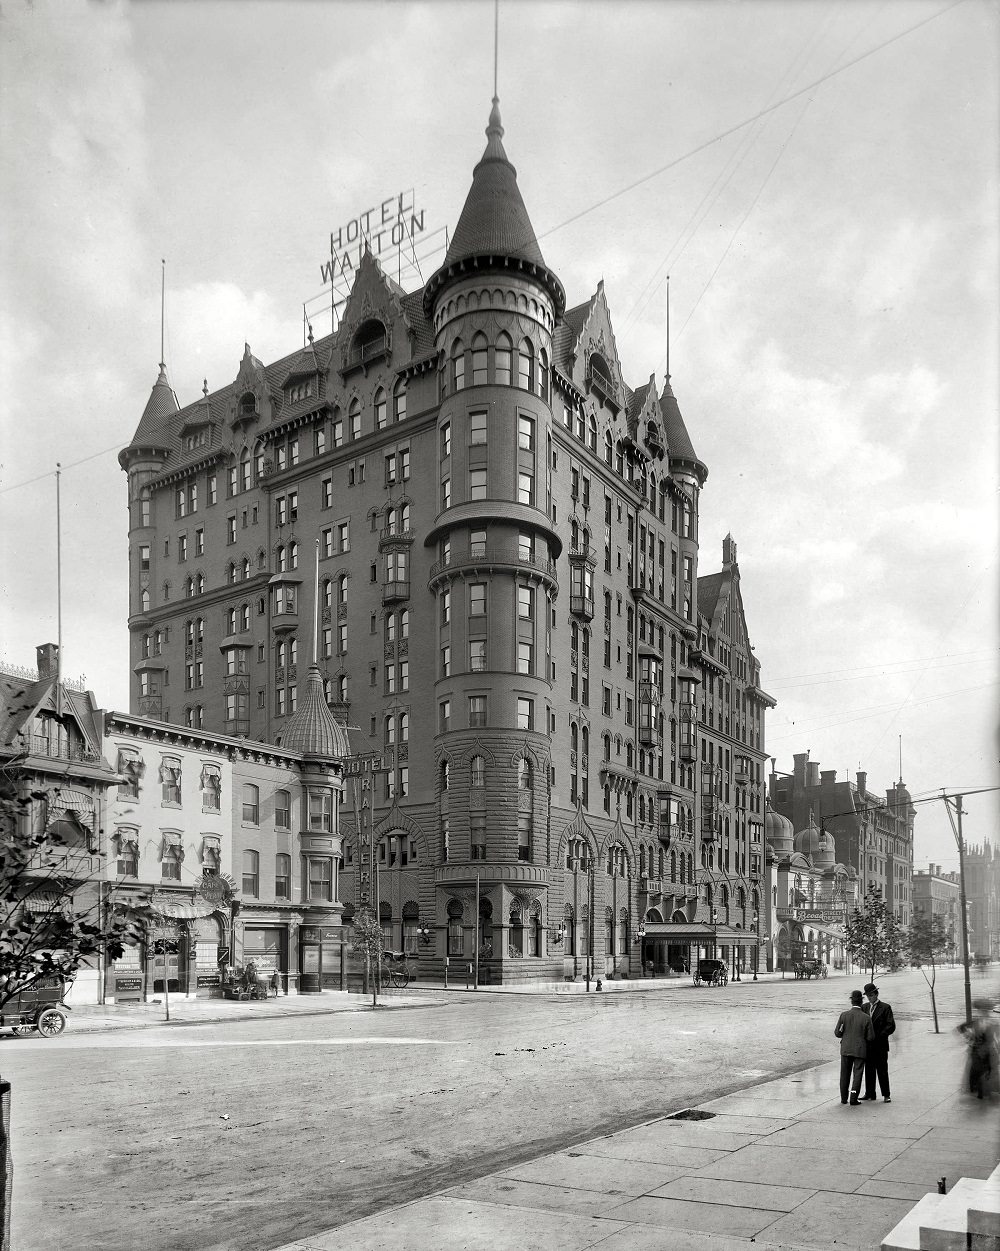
[699, 932]
[181, 909]
[41, 901]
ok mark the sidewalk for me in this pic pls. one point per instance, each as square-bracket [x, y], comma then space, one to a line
[783, 1165]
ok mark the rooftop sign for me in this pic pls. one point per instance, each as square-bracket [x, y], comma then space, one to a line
[388, 230]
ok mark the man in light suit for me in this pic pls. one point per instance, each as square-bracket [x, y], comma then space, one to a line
[854, 1029]
[877, 1057]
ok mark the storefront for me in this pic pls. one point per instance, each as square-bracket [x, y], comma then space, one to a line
[675, 947]
[266, 947]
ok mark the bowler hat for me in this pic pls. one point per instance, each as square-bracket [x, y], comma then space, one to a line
[871, 987]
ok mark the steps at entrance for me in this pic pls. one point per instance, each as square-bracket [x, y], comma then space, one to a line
[967, 1218]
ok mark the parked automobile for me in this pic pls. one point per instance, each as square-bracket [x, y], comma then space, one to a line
[37, 1007]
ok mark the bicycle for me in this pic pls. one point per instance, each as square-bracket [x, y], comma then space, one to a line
[395, 969]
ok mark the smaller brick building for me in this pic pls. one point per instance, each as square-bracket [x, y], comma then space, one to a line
[936, 893]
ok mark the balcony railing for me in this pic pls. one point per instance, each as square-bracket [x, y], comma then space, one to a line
[604, 386]
[42, 746]
[583, 553]
[364, 353]
[394, 534]
[499, 554]
[651, 885]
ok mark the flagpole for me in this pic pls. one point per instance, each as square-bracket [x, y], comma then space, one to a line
[58, 591]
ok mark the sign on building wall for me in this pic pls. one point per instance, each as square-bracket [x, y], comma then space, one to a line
[815, 916]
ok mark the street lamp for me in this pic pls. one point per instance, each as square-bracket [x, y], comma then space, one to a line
[424, 933]
[756, 943]
[640, 933]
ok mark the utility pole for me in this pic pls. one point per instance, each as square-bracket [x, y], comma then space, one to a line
[957, 831]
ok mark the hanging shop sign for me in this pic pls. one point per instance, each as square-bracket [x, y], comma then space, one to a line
[387, 229]
[815, 916]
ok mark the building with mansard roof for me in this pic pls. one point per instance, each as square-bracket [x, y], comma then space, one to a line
[507, 606]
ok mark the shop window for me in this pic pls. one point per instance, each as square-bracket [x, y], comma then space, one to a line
[282, 876]
[251, 873]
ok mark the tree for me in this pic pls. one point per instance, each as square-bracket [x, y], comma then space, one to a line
[873, 936]
[367, 940]
[42, 932]
[927, 942]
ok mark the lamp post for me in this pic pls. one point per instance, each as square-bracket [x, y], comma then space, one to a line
[590, 921]
[756, 943]
[962, 906]
[640, 933]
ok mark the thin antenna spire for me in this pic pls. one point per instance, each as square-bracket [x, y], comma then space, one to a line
[58, 592]
[496, 45]
[163, 299]
[668, 327]
[901, 760]
[315, 658]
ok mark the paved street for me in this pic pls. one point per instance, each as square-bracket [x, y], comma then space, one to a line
[252, 1134]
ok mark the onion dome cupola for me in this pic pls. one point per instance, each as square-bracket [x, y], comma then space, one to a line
[684, 460]
[816, 844]
[779, 833]
[494, 230]
[312, 730]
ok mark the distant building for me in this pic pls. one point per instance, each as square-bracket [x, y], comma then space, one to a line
[982, 893]
[809, 894]
[51, 757]
[508, 609]
[873, 834]
[936, 894]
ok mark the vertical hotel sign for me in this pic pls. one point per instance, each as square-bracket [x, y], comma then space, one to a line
[362, 770]
[386, 229]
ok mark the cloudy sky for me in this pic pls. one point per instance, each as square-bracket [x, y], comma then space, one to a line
[833, 274]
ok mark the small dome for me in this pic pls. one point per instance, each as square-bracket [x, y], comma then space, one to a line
[312, 730]
[815, 843]
[778, 831]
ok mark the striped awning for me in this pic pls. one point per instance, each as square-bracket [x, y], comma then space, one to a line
[181, 909]
[41, 901]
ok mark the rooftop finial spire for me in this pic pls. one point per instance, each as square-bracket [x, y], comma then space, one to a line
[496, 46]
[163, 296]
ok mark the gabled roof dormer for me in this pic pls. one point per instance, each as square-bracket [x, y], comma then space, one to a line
[374, 309]
[251, 400]
[585, 349]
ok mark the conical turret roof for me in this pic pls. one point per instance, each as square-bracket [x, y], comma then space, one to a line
[162, 403]
[679, 443]
[494, 223]
[312, 729]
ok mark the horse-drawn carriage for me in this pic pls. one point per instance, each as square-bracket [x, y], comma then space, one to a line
[710, 973]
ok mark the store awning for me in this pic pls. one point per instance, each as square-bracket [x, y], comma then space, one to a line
[41, 901]
[699, 932]
[181, 909]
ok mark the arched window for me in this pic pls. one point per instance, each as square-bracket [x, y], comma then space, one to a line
[404, 727]
[342, 589]
[399, 400]
[354, 419]
[673, 866]
[244, 617]
[230, 621]
[607, 447]
[533, 946]
[543, 374]
[326, 591]
[293, 555]
[390, 730]
[188, 591]
[404, 624]
[445, 774]
[281, 559]
[662, 862]
[577, 854]
[458, 366]
[502, 361]
[515, 939]
[199, 584]
[145, 646]
[381, 410]
[246, 478]
[480, 359]
[246, 568]
[642, 860]
[526, 366]
[456, 932]
[477, 771]
[525, 774]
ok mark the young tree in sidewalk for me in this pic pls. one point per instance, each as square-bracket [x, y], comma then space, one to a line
[367, 940]
[873, 936]
[927, 943]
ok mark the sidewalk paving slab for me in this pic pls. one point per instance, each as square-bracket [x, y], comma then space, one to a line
[782, 1166]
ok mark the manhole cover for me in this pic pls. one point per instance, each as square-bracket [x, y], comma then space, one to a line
[691, 1114]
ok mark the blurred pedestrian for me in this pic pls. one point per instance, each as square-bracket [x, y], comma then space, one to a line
[855, 1031]
[983, 1039]
[877, 1059]
[275, 983]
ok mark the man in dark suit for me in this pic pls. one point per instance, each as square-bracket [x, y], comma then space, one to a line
[854, 1029]
[877, 1056]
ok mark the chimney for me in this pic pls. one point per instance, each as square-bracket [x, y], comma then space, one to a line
[47, 660]
[799, 768]
[728, 552]
[828, 777]
[812, 773]
[862, 783]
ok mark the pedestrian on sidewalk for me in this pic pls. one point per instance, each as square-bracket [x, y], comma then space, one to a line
[877, 1059]
[855, 1031]
[275, 983]
[983, 1038]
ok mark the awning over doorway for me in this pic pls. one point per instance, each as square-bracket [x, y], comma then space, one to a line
[699, 932]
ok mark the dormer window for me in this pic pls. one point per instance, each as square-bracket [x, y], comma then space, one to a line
[196, 439]
[300, 390]
[248, 407]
